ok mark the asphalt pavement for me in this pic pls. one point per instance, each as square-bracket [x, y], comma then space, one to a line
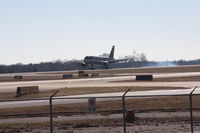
[100, 82]
[99, 97]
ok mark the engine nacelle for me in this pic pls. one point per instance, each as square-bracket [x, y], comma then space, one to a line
[83, 64]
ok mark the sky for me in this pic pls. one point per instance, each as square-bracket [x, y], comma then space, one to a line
[33, 31]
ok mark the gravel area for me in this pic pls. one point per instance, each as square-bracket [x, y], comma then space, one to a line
[153, 128]
[99, 116]
[136, 127]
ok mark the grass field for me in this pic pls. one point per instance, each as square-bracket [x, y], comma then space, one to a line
[69, 125]
[167, 79]
[56, 75]
[158, 104]
[115, 106]
[79, 91]
[111, 106]
[172, 69]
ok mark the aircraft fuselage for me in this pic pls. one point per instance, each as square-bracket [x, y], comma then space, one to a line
[96, 60]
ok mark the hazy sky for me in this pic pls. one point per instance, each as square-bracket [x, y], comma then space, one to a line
[32, 31]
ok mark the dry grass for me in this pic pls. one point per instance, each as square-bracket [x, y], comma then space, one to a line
[168, 79]
[178, 79]
[174, 69]
[110, 106]
[19, 127]
[29, 78]
[79, 91]
[58, 74]
[64, 124]
[101, 106]
[131, 104]
[68, 125]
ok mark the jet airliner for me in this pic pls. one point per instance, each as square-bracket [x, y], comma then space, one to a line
[96, 60]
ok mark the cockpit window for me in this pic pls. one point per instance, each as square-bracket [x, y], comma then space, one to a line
[88, 58]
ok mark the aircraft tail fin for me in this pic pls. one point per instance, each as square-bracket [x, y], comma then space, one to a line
[111, 56]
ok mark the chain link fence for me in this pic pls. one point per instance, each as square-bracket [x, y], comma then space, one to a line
[124, 112]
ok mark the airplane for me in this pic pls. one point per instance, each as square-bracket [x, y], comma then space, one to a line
[96, 60]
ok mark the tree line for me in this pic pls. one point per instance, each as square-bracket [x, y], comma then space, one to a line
[135, 60]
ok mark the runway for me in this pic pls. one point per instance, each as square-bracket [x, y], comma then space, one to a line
[100, 82]
[99, 97]
[118, 80]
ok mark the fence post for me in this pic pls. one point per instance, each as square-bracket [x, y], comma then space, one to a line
[50, 111]
[191, 113]
[124, 110]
